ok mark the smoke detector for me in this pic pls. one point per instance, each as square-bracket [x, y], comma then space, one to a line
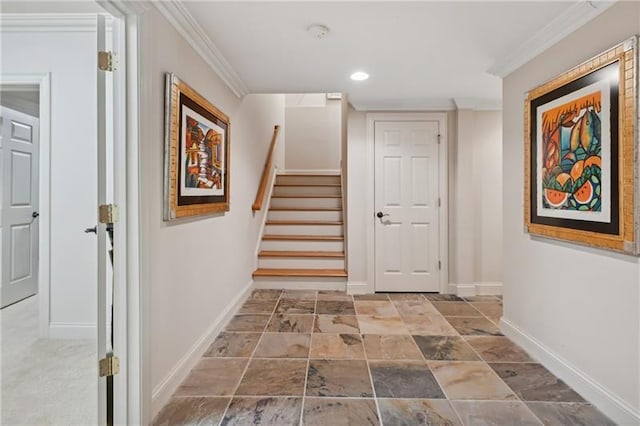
[318, 31]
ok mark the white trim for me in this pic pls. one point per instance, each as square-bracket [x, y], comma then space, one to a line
[604, 399]
[44, 191]
[50, 22]
[561, 26]
[356, 287]
[475, 289]
[187, 25]
[167, 386]
[443, 179]
[300, 283]
[72, 330]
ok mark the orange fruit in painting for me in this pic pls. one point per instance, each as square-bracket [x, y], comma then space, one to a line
[562, 178]
[577, 169]
[555, 198]
[584, 193]
[593, 160]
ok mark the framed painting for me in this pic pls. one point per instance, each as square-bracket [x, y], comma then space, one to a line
[580, 153]
[196, 153]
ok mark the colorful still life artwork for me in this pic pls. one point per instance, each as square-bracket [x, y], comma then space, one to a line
[203, 156]
[572, 155]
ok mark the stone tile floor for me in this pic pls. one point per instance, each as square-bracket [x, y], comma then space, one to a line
[327, 358]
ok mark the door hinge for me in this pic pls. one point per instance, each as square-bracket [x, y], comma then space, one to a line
[106, 61]
[438, 138]
[109, 366]
[439, 265]
[108, 213]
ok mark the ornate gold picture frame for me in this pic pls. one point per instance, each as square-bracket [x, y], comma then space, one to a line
[196, 153]
[580, 153]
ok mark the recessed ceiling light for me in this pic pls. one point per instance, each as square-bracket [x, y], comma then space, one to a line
[359, 76]
[318, 31]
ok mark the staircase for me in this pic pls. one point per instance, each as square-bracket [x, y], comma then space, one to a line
[303, 241]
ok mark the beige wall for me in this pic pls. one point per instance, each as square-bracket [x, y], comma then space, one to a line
[313, 133]
[195, 268]
[576, 306]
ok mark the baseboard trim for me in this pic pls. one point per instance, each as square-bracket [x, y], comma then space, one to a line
[162, 393]
[72, 330]
[356, 287]
[606, 401]
[476, 289]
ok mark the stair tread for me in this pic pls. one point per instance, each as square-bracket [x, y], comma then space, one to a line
[331, 185]
[304, 237]
[268, 272]
[304, 222]
[304, 209]
[301, 253]
[306, 196]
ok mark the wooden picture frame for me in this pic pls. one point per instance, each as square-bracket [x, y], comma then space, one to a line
[196, 153]
[580, 153]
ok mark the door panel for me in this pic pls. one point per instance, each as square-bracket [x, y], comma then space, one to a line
[406, 192]
[19, 193]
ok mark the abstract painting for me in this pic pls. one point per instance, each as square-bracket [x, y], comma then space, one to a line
[580, 147]
[196, 153]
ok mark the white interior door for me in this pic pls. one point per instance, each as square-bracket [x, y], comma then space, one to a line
[19, 145]
[406, 205]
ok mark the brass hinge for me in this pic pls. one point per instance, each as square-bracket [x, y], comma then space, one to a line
[106, 61]
[109, 366]
[108, 213]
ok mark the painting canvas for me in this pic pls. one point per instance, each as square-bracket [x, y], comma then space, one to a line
[196, 153]
[580, 127]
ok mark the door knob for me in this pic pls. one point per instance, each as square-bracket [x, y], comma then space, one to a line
[91, 230]
[381, 215]
[35, 214]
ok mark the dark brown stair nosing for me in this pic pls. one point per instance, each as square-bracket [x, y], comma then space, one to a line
[286, 272]
[303, 222]
[275, 237]
[301, 254]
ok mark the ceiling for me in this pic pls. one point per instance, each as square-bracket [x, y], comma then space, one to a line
[420, 55]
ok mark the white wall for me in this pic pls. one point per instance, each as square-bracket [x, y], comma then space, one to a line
[313, 133]
[576, 307]
[475, 202]
[475, 205]
[70, 58]
[191, 288]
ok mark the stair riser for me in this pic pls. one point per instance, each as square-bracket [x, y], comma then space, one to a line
[300, 180]
[302, 245]
[322, 203]
[306, 190]
[301, 283]
[305, 215]
[300, 263]
[332, 230]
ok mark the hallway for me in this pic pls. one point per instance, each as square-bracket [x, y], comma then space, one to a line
[318, 358]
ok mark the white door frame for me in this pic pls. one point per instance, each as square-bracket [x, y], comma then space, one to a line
[443, 185]
[43, 81]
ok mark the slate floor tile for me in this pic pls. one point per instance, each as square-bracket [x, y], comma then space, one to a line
[470, 380]
[533, 382]
[391, 347]
[283, 345]
[445, 348]
[263, 411]
[336, 346]
[495, 413]
[336, 324]
[568, 413]
[474, 326]
[339, 378]
[228, 344]
[497, 348]
[248, 322]
[406, 379]
[340, 412]
[274, 377]
[213, 377]
[335, 307]
[192, 411]
[290, 323]
[396, 412]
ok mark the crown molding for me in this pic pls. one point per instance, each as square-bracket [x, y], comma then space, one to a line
[478, 104]
[51, 22]
[563, 25]
[182, 20]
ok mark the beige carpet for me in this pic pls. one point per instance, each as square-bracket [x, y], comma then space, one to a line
[44, 381]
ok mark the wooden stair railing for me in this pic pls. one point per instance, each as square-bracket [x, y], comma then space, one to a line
[262, 189]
